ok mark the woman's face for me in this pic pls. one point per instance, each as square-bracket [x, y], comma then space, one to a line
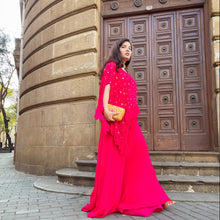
[125, 50]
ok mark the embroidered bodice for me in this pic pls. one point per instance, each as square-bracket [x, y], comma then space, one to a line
[123, 93]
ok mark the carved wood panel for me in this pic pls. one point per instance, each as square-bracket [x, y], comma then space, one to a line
[193, 105]
[114, 29]
[165, 114]
[139, 34]
[168, 66]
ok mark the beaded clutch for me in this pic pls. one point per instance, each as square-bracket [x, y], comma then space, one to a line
[114, 108]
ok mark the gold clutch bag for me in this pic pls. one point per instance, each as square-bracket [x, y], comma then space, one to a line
[114, 108]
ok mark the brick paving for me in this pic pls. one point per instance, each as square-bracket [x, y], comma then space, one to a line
[20, 200]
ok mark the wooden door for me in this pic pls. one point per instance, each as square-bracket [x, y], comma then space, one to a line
[192, 81]
[168, 66]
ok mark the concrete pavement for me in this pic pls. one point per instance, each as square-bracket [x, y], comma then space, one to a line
[20, 200]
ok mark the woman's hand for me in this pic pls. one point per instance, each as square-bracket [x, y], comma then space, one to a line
[109, 115]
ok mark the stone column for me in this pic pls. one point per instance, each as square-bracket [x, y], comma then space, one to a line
[59, 85]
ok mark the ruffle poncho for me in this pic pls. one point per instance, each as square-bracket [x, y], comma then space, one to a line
[123, 93]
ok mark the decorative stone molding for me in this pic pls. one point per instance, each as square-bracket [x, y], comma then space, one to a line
[138, 3]
[114, 6]
[163, 1]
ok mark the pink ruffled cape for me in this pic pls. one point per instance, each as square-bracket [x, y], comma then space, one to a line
[123, 90]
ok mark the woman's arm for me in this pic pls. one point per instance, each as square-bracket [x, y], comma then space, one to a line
[106, 96]
[108, 114]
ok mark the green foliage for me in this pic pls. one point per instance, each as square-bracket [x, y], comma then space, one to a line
[9, 91]
[4, 40]
[6, 56]
[10, 112]
[7, 69]
[1, 121]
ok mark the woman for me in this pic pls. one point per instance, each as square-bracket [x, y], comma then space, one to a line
[125, 180]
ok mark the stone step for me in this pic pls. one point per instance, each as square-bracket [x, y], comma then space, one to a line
[168, 182]
[167, 168]
[75, 177]
[186, 168]
[51, 184]
[203, 184]
[86, 165]
[184, 156]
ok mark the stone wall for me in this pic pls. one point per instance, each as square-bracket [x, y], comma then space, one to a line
[215, 46]
[59, 85]
[59, 88]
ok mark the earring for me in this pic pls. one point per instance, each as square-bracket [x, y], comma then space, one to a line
[124, 66]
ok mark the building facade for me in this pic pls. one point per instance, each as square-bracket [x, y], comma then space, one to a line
[175, 63]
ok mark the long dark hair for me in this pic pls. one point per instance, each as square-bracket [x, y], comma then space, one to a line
[115, 56]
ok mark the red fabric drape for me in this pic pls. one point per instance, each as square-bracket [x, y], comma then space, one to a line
[123, 90]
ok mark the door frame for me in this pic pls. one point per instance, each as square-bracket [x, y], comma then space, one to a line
[210, 76]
